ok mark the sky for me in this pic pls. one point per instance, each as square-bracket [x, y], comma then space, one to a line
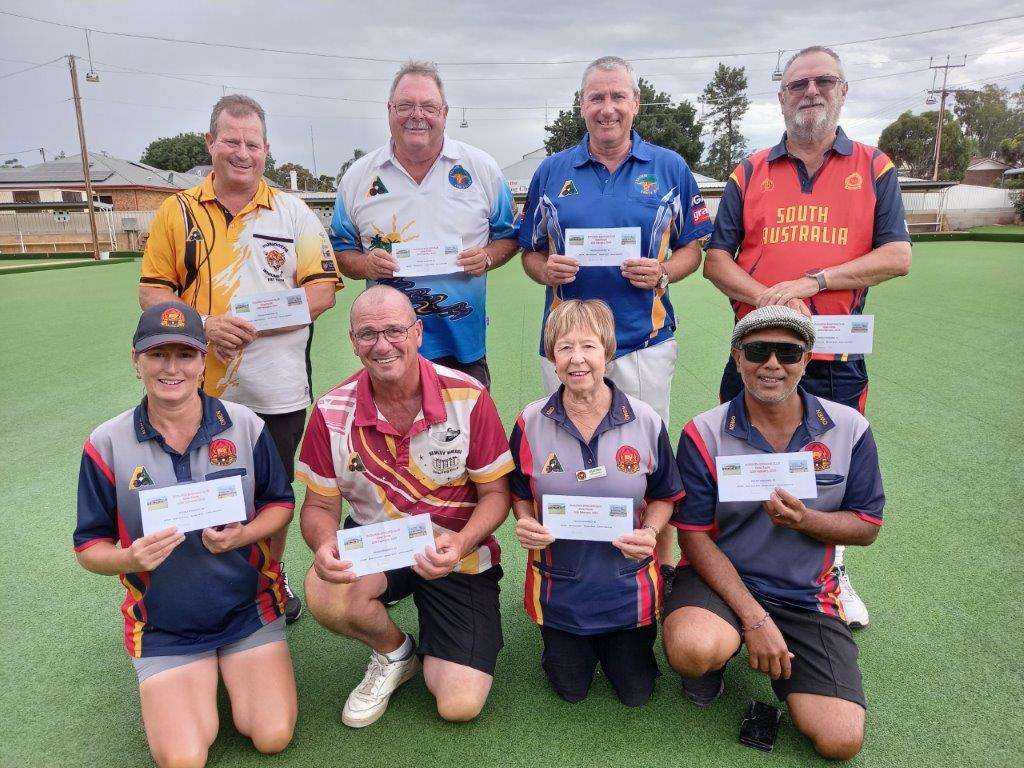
[506, 65]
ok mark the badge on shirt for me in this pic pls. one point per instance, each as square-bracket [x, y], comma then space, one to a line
[376, 188]
[627, 459]
[140, 478]
[459, 178]
[822, 456]
[647, 184]
[551, 464]
[223, 452]
[591, 474]
[853, 182]
[355, 463]
[568, 189]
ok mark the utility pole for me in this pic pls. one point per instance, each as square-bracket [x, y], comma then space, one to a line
[85, 156]
[42, 151]
[312, 146]
[942, 106]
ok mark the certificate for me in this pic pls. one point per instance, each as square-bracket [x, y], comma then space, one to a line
[587, 518]
[193, 506]
[754, 477]
[603, 247]
[844, 334]
[385, 546]
[274, 309]
[417, 259]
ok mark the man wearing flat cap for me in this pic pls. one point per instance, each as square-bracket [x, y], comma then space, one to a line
[761, 573]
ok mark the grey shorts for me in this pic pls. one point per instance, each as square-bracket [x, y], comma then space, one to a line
[148, 666]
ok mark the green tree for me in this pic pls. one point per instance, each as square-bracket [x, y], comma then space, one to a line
[910, 141]
[356, 154]
[306, 181]
[987, 117]
[177, 153]
[660, 121]
[10, 164]
[1011, 149]
[725, 103]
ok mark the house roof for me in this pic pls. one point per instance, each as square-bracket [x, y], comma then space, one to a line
[104, 171]
[986, 164]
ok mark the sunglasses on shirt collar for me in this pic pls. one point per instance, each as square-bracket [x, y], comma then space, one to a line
[785, 352]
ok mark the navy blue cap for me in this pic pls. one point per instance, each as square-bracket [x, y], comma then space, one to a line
[169, 322]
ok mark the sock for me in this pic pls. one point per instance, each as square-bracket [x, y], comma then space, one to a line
[401, 652]
[839, 556]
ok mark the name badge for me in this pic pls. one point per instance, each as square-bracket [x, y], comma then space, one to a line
[591, 474]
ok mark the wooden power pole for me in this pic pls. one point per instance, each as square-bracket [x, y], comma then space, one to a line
[942, 107]
[85, 156]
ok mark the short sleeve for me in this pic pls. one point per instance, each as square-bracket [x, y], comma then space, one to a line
[890, 218]
[522, 458]
[271, 484]
[696, 222]
[728, 233]
[97, 501]
[316, 464]
[489, 456]
[159, 260]
[502, 220]
[864, 495]
[344, 233]
[314, 257]
[696, 512]
[663, 484]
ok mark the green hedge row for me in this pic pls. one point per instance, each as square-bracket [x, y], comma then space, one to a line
[44, 257]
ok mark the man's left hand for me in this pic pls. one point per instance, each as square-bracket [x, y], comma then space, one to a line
[474, 261]
[638, 545]
[784, 292]
[438, 561]
[784, 509]
[226, 539]
[642, 273]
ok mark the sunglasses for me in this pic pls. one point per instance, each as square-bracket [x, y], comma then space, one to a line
[785, 352]
[824, 84]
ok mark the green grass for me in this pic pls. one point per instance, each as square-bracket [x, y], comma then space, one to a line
[941, 659]
[1000, 228]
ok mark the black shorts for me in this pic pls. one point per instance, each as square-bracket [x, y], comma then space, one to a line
[626, 656]
[825, 655]
[286, 431]
[477, 369]
[459, 615]
[836, 380]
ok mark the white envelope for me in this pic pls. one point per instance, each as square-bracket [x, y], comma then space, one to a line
[385, 546]
[753, 477]
[603, 247]
[587, 518]
[844, 334]
[192, 506]
[273, 309]
[417, 259]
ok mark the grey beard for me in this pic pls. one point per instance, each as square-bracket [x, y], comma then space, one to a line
[816, 131]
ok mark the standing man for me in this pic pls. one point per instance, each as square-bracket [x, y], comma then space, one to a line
[611, 179]
[811, 224]
[425, 187]
[401, 437]
[234, 236]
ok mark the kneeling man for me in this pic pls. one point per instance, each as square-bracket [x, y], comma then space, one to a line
[405, 436]
[761, 572]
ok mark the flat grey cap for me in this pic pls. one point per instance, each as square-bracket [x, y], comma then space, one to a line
[775, 316]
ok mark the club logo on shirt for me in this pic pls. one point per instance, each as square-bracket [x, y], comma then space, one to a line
[700, 214]
[172, 318]
[222, 453]
[568, 189]
[327, 256]
[822, 456]
[355, 463]
[647, 184]
[551, 464]
[853, 182]
[459, 178]
[376, 188]
[384, 240]
[767, 185]
[274, 255]
[627, 459]
[442, 433]
[140, 478]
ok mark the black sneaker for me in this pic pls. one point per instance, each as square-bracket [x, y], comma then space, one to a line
[705, 690]
[668, 575]
[292, 604]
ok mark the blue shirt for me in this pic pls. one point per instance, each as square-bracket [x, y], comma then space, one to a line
[652, 189]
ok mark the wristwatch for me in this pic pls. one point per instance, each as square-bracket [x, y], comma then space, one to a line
[818, 275]
[663, 280]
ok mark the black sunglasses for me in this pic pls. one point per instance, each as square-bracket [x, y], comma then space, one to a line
[824, 84]
[785, 352]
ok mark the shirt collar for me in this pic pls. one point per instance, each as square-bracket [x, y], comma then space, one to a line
[261, 198]
[619, 412]
[639, 149]
[432, 406]
[215, 420]
[815, 418]
[842, 145]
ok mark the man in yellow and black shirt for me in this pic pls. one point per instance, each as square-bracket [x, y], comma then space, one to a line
[234, 235]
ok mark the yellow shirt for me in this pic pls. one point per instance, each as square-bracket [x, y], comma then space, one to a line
[206, 257]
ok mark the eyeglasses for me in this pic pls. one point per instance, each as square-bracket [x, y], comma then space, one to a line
[785, 352]
[824, 84]
[394, 334]
[406, 108]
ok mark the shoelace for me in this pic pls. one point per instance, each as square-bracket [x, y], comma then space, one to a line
[845, 584]
[374, 677]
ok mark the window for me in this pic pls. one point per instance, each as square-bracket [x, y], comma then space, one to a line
[72, 197]
[27, 196]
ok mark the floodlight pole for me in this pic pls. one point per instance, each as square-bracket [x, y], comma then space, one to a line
[85, 156]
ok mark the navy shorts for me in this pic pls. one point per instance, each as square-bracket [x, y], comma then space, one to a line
[836, 380]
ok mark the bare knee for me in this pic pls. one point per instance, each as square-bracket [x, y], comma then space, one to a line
[843, 746]
[692, 650]
[835, 735]
[181, 756]
[460, 706]
[272, 738]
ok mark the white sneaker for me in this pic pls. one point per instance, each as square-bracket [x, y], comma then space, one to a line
[854, 608]
[369, 699]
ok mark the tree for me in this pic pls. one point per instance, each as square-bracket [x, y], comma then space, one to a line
[1012, 149]
[726, 103]
[987, 117]
[910, 141]
[356, 154]
[660, 121]
[11, 164]
[178, 153]
[305, 180]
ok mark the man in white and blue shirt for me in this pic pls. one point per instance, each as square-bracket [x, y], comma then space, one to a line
[425, 187]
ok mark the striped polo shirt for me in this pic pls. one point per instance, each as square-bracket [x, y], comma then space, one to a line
[194, 600]
[588, 587]
[457, 440]
[778, 563]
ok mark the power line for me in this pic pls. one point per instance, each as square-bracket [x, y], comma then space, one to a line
[547, 62]
[29, 69]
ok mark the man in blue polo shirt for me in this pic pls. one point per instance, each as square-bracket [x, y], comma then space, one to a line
[762, 571]
[614, 179]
